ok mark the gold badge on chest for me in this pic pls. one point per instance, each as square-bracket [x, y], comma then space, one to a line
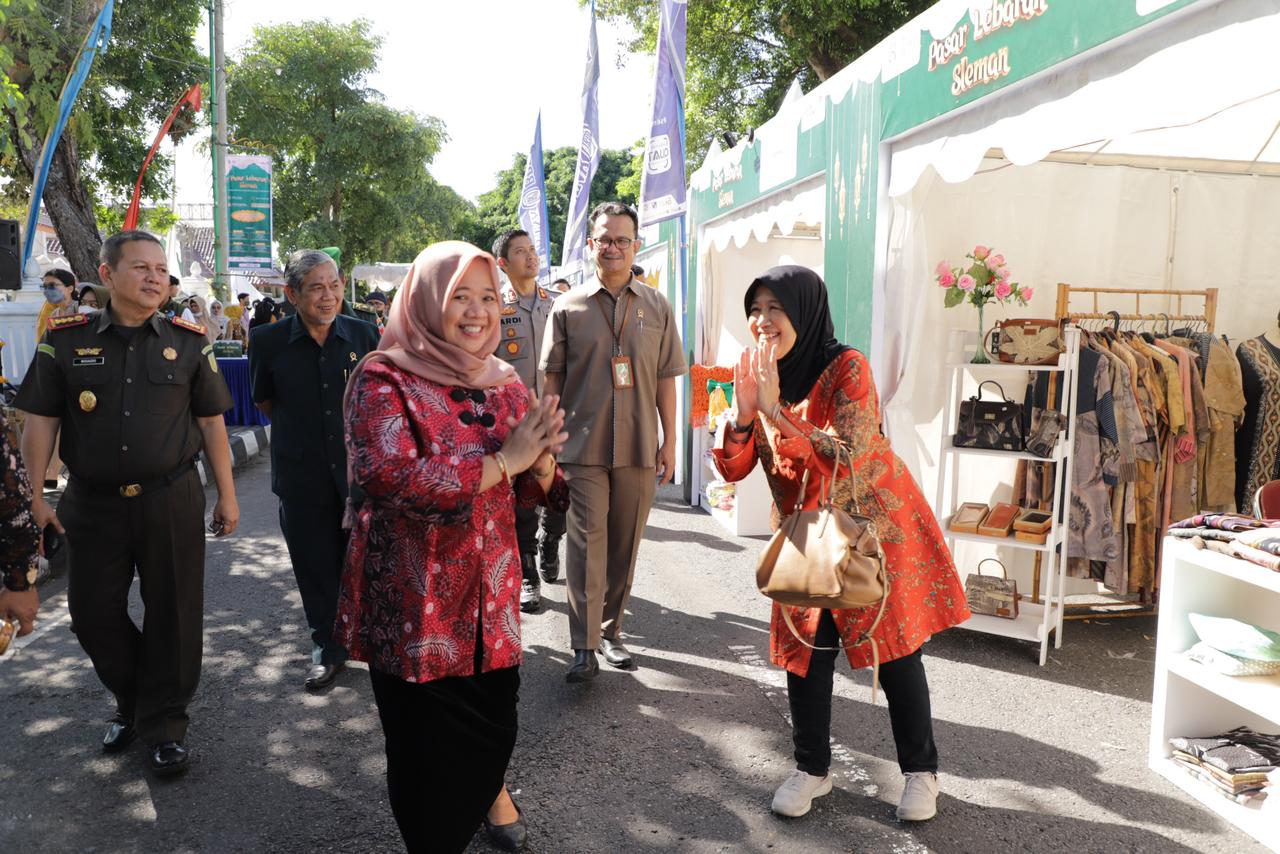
[170, 353]
[88, 401]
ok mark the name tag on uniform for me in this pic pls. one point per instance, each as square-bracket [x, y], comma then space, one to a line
[622, 376]
[79, 361]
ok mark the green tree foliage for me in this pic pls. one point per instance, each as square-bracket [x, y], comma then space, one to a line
[617, 179]
[743, 54]
[350, 171]
[151, 60]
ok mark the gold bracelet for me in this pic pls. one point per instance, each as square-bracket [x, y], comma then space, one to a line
[502, 464]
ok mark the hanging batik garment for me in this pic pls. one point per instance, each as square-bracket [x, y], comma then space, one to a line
[1258, 439]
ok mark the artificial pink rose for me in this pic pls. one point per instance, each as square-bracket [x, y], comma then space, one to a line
[995, 261]
[947, 279]
[980, 253]
[967, 282]
[1027, 293]
[1000, 274]
[1003, 289]
[943, 268]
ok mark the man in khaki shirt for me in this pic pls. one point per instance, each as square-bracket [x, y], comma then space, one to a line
[613, 354]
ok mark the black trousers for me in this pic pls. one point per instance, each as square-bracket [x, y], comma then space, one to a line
[905, 687]
[153, 671]
[528, 521]
[448, 743]
[317, 546]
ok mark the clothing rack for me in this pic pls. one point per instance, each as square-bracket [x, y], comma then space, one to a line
[1209, 296]
[1207, 316]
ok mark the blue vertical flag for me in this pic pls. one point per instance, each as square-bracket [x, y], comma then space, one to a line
[575, 232]
[94, 43]
[533, 203]
[662, 187]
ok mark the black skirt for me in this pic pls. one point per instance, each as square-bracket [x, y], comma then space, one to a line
[448, 743]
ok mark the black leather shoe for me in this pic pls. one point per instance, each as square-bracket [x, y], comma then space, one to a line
[120, 734]
[169, 758]
[549, 559]
[321, 676]
[584, 667]
[530, 590]
[508, 837]
[615, 653]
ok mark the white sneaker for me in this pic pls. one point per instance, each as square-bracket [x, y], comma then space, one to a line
[920, 797]
[795, 796]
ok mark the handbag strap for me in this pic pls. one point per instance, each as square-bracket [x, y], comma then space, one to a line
[865, 637]
[825, 494]
[1003, 396]
[1004, 572]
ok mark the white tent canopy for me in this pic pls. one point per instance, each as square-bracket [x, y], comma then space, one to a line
[384, 275]
[1203, 86]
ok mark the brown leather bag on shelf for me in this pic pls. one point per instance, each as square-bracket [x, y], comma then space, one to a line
[1026, 341]
[827, 558]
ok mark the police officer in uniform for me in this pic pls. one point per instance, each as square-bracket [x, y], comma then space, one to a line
[298, 369]
[136, 395]
[525, 309]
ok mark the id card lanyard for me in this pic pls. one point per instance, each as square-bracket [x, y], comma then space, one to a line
[620, 365]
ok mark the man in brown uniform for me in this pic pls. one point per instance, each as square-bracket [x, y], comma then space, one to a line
[613, 354]
[136, 395]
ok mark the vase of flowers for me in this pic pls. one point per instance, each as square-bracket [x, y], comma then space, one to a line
[986, 279]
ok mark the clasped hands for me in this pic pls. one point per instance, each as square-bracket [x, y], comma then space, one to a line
[756, 387]
[536, 438]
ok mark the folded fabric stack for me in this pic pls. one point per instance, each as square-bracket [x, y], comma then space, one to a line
[1254, 540]
[1234, 648]
[1240, 765]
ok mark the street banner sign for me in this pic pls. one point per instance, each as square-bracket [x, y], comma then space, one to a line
[533, 204]
[575, 233]
[249, 213]
[662, 185]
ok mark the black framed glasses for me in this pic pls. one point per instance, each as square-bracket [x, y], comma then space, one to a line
[622, 243]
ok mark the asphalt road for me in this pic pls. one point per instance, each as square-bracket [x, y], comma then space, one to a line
[681, 754]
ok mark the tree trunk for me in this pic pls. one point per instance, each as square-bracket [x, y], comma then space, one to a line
[71, 209]
[67, 201]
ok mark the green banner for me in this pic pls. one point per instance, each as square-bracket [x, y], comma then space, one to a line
[249, 213]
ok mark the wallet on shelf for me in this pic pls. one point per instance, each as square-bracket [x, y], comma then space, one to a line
[1031, 537]
[1034, 522]
[968, 517]
[999, 521]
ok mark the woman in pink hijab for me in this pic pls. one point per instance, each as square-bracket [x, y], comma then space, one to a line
[443, 441]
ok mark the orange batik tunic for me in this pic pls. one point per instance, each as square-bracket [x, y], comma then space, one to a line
[926, 595]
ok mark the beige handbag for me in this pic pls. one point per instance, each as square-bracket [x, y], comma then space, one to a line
[826, 558]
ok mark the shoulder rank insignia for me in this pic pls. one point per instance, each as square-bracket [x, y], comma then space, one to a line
[509, 295]
[186, 324]
[542, 294]
[68, 322]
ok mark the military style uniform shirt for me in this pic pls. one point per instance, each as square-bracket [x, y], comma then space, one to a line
[524, 322]
[607, 426]
[305, 383]
[128, 397]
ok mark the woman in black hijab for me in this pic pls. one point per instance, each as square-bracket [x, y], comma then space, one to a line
[798, 395]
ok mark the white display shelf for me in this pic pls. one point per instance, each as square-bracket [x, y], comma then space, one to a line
[1030, 624]
[752, 498]
[1260, 694]
[1009, 541]
[1189, 699]
[1036, 622]
[1004, 367]
[950, 447]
